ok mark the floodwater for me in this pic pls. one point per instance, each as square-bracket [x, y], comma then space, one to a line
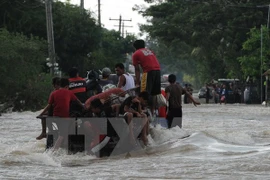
[226, 141]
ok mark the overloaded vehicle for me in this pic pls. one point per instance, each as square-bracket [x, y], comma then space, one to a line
[116, 140]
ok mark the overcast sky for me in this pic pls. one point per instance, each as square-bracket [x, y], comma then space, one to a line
[113, 9]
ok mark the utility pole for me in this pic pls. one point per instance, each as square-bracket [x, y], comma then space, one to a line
[50, 35]
[261, 73]
[268, 19]
[266, 6]
[99, 14]
[82, 4]
[123, 29]
[120, 22]
[127, 33]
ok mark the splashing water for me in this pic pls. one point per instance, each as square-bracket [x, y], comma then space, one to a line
[216, 142]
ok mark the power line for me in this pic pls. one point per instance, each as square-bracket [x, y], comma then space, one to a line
[123, 29]
[120, 22]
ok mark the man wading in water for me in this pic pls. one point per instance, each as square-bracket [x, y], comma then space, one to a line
[174, 95]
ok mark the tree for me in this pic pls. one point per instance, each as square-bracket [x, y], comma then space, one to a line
[113, 50]
[79, 41]
[24, 16]
[210, 32]
[20, 70]
[76, 35]
[251, 59]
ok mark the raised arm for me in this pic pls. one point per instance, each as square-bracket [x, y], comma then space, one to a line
[192, 99]
[74, 98]
[80, 103]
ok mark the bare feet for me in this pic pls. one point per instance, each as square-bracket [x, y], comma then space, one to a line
[145, 141]
[41, 136]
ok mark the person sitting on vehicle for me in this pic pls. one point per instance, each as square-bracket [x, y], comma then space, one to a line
[56, 86]
[126, 81]
[133, 106]
[78, 86]
[61, 100]
[100, 109]
[92, 83]
[91, 128]
[105, 77]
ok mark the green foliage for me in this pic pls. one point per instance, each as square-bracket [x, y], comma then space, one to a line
[113, 49]
[36, 94]
[203, 38]
[79, 41]
[75, 34]
[251, 59]
[24, 16]
[20, 67]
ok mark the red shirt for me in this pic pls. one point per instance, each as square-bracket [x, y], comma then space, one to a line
[146, 58]
[60, 99]
[78, 86]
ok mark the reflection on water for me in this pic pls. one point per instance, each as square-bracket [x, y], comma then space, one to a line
[221, 142]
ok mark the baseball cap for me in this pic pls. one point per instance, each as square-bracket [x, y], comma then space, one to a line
[106, 71]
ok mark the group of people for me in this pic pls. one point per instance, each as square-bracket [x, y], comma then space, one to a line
[222, 93]
[219, 94]
[69, 95]
[121, 79]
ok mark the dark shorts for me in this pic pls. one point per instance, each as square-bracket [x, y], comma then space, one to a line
[174, 117]
[151, 83]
